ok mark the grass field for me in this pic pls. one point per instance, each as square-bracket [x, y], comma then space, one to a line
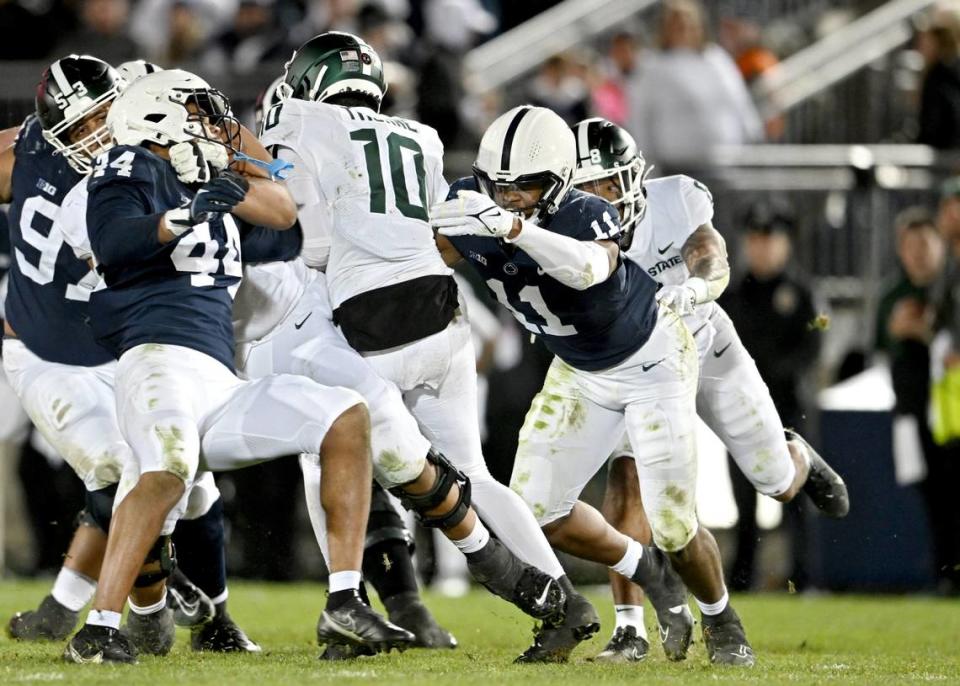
[799, 640]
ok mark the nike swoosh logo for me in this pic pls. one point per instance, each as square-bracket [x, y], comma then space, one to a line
[187, 608]
[302, 322]
[663, 250]
[81, 660]
[543, 596]
[718, 353]
[647, 366]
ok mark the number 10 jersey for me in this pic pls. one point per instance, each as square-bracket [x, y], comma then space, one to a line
[364, 183]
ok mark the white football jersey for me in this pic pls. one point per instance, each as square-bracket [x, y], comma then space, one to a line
[268, 293]
[364, 183]
[676, 207]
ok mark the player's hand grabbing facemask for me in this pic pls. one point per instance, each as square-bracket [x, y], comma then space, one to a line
[218, 196]
[471, 214]
[197, 160]
[681, 299]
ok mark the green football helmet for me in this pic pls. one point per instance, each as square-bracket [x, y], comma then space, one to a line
[334, 63]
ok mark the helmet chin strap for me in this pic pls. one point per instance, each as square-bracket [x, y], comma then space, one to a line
[277, 168]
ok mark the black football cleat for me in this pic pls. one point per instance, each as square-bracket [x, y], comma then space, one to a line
[504, 574]
[340, 651]
[152, 634]
[668, 595]
[51, 621]
[191, 606]
[99, 645]
[353, 623]
[407, 611]
[221, 635]
[554, 642]
[824, 486]
[625, 646]
[726, 641]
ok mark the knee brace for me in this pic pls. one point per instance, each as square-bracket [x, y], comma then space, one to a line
[98, 507]
[385, 524]
[447, 476]
[163, 553]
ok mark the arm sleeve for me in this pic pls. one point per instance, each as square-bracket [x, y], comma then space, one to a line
[575, 263]
[73, 221]
[259, 244]
[313, 210]
[121, 225]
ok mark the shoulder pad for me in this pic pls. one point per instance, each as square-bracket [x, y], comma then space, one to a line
[466, 183]
[697, 200]
[585, 216]
[126, 163]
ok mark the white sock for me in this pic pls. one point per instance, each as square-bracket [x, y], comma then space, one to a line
[344, 581]
[514, 524]
[149, 609]
[105, 618]
[72, 589]
[628, 565]
[220, 598]
[717, 607]
[475, 540]
[631, 615]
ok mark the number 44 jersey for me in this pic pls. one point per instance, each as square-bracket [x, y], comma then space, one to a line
[177, 293]
[47, 298]
[591, 329]
[364, 183]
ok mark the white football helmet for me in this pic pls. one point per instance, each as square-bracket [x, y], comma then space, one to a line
[134, 69]
[154, 109]
[528, 149]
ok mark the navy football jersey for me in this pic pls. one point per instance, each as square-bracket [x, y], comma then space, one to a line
[177, 293]
[592, 329]
[46, 303]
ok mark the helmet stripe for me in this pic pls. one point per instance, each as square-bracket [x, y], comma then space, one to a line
[583, 144]
[65, 87]
[508, 139]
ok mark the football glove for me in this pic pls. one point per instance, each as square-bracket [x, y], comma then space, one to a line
[471, 214]
[197, 160]
[218, 196]
[681, 299]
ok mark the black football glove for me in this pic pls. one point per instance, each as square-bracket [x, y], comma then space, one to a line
[218, 196]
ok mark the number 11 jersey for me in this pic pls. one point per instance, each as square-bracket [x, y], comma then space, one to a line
[371, 180]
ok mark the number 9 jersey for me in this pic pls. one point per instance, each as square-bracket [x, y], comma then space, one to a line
[46, 302]
[591, 329]
[177, 293]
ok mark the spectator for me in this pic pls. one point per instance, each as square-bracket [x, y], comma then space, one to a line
[905, 319]
[30, 29]
[945, 367]
[170, 32]
[689, 96]
[252, 38]
[560, 87]
[610, 95]
[102, 32]
[939, 115]
[772, 311]
[451, 28]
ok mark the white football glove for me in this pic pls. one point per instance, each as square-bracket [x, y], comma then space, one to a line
[681, 299]
[195, 161]
[471, 214]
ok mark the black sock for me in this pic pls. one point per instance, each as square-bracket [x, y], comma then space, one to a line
[388, 567]
[199, 544]
[339, 598]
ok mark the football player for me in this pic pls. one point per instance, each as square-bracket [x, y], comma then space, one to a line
[667, 230]
[64, 378]
[363, 190]
[551, 255]
[170, 257]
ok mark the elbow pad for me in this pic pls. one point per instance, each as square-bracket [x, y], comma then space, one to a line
[574, 263]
